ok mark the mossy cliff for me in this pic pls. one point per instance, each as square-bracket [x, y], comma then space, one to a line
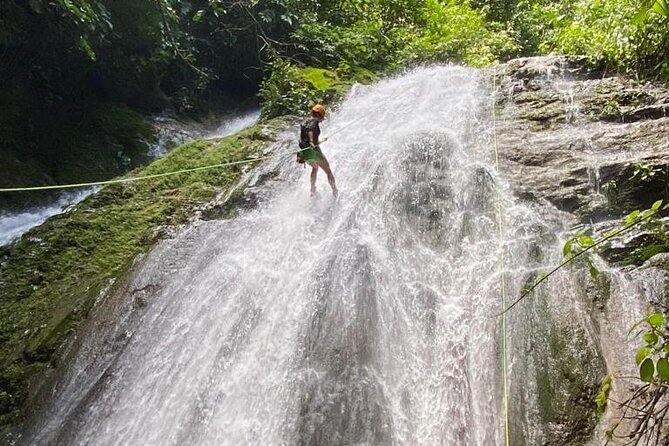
[50, 279]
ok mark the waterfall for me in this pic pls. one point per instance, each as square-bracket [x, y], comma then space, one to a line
[371, 320]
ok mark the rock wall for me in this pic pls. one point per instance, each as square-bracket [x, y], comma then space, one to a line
[573, 138]
[596, 148]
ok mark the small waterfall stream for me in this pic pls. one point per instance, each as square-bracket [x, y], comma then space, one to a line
[370, 320]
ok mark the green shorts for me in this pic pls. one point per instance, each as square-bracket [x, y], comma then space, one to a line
[312, 155]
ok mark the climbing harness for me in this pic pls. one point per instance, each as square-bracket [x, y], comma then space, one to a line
[500, 225]
[305, 145]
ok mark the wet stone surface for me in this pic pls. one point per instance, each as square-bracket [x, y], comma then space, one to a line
[575, 141]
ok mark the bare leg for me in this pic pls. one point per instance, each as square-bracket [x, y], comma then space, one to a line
[331, 179]
[314, 172]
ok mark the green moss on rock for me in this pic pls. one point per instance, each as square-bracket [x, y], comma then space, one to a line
[291, 89]
[566, 387]
[49, 280]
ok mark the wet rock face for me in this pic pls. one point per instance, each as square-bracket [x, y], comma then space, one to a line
[343, 402]
[597, 148]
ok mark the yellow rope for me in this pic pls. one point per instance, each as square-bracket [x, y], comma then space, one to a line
[500, 225]
[176, 172]
[145, 177]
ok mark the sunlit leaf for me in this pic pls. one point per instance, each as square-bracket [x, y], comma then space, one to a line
[642, 354]
[566, 251]
[586, 241]
[663, 369]
[656, 320]
[286, 18]
[632, 217]
[267, 15]
[640, 17]
[198, 15]
[86, 46]
[647, 370]
[660, 7]
[656, 205]
[650, 338]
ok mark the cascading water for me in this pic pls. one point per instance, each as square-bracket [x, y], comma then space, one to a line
[14, 224]
[370, 320]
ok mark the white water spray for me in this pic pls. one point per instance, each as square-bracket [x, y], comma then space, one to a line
[371, 320]
[14, 225]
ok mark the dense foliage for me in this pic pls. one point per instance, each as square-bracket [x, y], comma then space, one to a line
[627, 35]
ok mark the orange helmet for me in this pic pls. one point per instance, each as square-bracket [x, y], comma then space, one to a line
[319, 110]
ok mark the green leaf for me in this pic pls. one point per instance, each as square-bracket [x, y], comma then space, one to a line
[663, 369]
[86, 46]
[586, 241]
[632, 217]
[640, 17]
[647, 370]
[594, 272]
[286, 18]
[641, 354]
[198, 15]
[566, 251]
[661, 8]
[656, 205]
[656, 320]
[650, 338]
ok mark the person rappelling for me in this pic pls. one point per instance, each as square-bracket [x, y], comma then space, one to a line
[311, 152]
